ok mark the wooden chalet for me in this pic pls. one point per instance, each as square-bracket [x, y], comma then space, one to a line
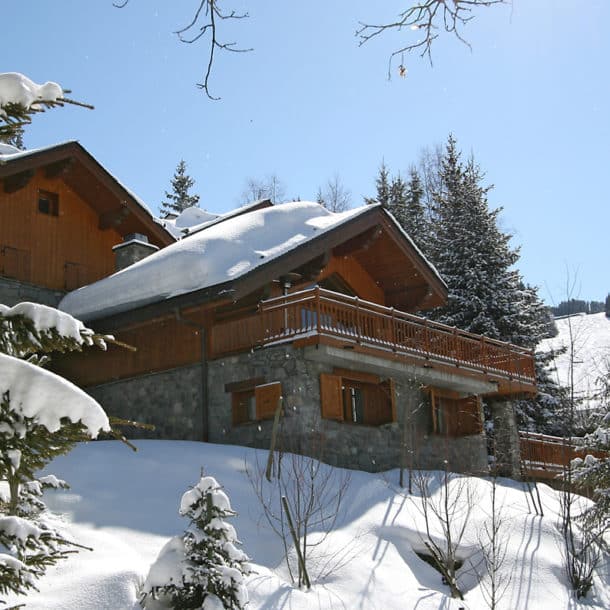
[61, 213]
[288, 314]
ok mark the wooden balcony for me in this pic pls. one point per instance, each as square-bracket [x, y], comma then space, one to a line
[545, 457]
[317, 315]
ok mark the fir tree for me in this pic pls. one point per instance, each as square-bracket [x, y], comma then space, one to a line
[179, 199]
[41, 416]
[414, 220]
[382, 183]
[203, 568]
[607, 306]
[486, 294]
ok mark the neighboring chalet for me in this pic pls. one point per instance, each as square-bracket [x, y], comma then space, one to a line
[287, 309]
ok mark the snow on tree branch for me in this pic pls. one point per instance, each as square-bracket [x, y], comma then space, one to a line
[48, 398]
[21, 98]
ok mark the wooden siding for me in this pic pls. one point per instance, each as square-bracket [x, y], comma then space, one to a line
[354, 274]
[160, 346]
[59, 252]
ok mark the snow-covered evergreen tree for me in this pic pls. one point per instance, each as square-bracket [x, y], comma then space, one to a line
[404, 200]
[41, 416]
[414, 219]
[487, 295]
[203, 568]
[179, 199]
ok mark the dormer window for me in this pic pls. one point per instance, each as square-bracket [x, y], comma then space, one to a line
[48, 203]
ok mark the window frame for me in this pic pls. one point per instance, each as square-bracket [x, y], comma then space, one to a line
[254, 400]
[53, 203]
[341, 390]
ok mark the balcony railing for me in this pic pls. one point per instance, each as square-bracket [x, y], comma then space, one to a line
[352, 320]
[544, 456]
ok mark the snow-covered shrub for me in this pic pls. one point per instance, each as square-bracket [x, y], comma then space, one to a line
[41, 416]
[203, 568]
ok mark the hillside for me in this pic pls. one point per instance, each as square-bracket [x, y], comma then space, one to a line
[124, 506]
[589, 336]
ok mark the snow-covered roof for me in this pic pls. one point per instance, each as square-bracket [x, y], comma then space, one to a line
[11, 153]
[217, 254]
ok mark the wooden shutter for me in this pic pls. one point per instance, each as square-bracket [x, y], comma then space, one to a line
[267, 399]
[468, 420]
[331, 396]
[15, 263]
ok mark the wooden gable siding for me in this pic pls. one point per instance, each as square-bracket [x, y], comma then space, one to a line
[354, 274]
[161, 345]
[59, 252]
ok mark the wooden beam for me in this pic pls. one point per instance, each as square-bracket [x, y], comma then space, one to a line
[313, 268]
[18, 181]
[113, 218]
[59, 168]
[361, 242]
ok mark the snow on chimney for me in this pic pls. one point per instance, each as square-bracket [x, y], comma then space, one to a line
[134, 248]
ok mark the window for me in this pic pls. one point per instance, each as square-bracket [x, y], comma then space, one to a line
[253, 400]
[359, 398]
[48, 203]
[453, 416]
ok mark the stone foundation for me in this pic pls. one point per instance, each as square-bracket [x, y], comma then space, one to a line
[369, 448]
[171, 401]
[14, 291]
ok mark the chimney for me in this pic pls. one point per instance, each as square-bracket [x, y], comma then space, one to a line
[134, 248]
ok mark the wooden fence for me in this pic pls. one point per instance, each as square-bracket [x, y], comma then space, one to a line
[544, 456]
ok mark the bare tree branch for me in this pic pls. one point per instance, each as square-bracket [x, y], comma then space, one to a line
[428, 18]
[205, 21]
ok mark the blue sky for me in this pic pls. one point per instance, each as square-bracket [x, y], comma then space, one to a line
[530, 101]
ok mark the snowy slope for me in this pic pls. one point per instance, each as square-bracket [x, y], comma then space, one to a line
[589, 336]
[125, 506]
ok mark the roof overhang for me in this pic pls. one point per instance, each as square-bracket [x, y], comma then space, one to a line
[353, 233]
[115, 205]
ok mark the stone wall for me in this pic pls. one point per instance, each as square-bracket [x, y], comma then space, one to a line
[370, 448]
[171, 401]
[14, 291]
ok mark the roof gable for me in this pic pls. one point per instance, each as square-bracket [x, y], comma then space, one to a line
[231, 259]
[115, 205]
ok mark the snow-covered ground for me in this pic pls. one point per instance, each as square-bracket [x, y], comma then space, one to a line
[589, 336]
[125, 506]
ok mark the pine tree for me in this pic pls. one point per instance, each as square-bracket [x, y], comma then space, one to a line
[203, 568]
[15, 138]
[41, 416]
[607, 306]
[179, 199]
[414, 220]
[382, 183]
[487, 294]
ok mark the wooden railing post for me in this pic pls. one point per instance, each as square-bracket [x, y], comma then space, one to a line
[484, 354]
[393, 330]
[426, 337]
[318, 311]
[358, 320]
